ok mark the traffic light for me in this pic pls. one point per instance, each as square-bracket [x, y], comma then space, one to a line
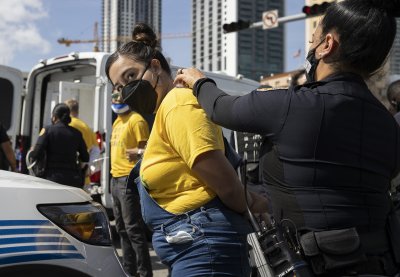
[316, 9]
[235, 26]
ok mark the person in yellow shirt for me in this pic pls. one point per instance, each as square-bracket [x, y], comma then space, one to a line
[129, 131]
[190, 195]
[87, 133]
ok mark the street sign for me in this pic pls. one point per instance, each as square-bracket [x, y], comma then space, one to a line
[270, 19]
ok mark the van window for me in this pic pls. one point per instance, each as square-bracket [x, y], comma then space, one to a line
[6, 103]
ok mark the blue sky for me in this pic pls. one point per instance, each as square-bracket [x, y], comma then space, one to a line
[29, 30]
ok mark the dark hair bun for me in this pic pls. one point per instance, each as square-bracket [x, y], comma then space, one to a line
[62, 112]
[145, 34]
[392, 7]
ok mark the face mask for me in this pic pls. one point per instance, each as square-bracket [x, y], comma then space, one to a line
[119, 108]
[140, 95]
[311, 63]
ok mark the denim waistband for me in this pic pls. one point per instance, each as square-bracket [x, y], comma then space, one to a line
[214, 203]
[119, 178]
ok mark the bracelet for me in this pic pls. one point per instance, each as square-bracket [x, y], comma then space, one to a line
[197, 85]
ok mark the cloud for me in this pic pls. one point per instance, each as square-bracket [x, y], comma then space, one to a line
[18, 29]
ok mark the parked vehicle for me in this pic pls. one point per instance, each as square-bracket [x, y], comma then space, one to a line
[47, 229]
[82, 76]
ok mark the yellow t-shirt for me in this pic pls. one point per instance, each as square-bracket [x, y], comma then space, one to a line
[127, 132]
[181, 132]
[88, 135]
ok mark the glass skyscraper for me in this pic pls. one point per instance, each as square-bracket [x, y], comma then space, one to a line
[119, 17]
[250, 52]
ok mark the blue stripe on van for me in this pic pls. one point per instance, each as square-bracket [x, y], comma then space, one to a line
[25, 222]
[39, 257]
[8, 254]
[28, 231]
[33, 240]
[36, 248]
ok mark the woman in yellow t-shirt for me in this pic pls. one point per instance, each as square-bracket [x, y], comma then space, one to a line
[190, 194]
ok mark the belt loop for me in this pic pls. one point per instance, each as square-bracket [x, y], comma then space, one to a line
[188, 219]
[204, 211]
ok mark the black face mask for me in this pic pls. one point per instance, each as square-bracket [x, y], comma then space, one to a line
[140, 95]
[311, 63]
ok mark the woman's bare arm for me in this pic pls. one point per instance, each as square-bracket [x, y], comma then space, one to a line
[214, 169]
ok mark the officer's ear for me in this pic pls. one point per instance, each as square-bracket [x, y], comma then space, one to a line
[329, 47]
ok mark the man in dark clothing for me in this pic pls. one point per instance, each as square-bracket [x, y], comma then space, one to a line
[61, 143]
[7, 156]
[393, 95]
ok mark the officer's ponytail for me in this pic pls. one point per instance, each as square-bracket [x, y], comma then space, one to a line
[366, 31]
[61, 112]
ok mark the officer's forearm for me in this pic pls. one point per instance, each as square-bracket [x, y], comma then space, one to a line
[9, 153]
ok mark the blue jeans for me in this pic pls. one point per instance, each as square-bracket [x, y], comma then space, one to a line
[131, 228]
[208, 241]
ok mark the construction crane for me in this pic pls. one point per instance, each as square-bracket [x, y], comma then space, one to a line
[96, 39]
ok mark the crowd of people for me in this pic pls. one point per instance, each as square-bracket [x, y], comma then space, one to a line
[328, 161]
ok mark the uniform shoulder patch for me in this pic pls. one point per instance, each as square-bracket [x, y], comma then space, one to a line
[42, 132]
[268, 88]
[265, 89]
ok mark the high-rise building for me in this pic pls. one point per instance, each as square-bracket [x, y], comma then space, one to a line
[395, 53]
[250, 52]
[119, 17]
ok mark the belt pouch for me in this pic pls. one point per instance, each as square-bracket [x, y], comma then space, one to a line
[331, 250]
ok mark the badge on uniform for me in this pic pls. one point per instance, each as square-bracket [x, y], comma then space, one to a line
[268, 87]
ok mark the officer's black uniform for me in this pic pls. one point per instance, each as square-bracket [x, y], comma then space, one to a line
[61, 144]
[331, 150]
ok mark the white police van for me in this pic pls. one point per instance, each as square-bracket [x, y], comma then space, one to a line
[47, 229]
[82, 76]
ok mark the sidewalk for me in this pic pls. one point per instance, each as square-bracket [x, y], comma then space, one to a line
[159, 269]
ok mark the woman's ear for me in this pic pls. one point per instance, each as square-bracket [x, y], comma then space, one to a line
[156, 66]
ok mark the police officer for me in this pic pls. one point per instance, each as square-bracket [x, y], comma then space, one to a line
[332, 147]
[63, 146]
